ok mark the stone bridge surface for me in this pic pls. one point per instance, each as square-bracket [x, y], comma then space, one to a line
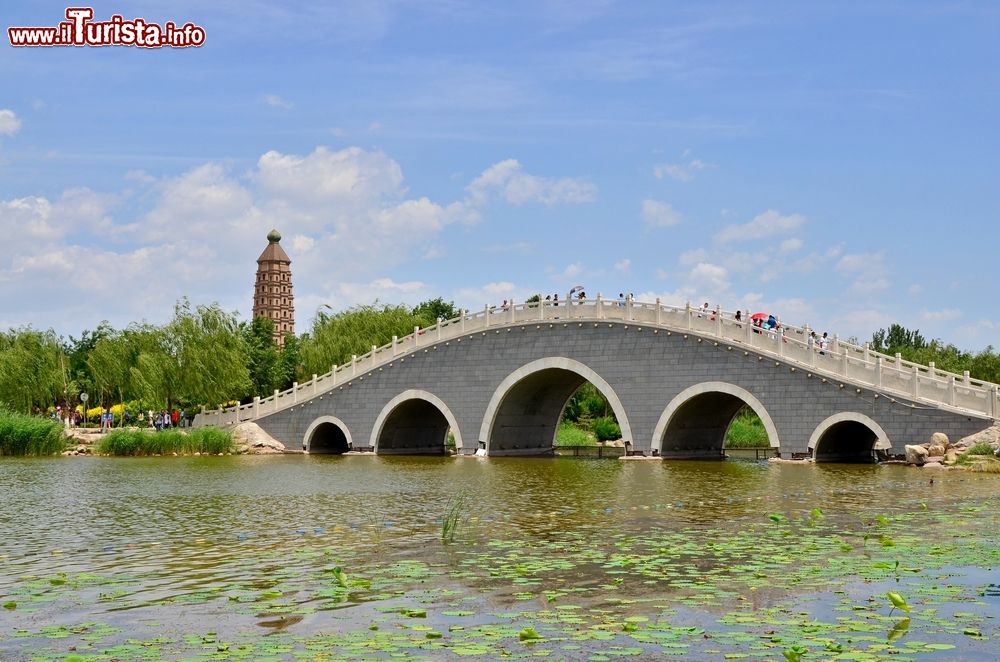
[675, 379]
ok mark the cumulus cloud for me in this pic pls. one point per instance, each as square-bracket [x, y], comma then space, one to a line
[790, 245]
[9, 122]
[944, 315]
[708, 278]
[768, 224]
[682, 172]
[508, 181]
[656, 214]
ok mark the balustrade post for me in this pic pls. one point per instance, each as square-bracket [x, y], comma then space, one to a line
[315, 377]
[333, 374]
[600, 306]
[541, 309]
[687, 314]
[439, 329]
[899, 361]
[354, 365]
[659, 311]
[965, 376]
[868, 352]
[416, 336]
[916, 377]
[932, 367]
[276, 397]
[835, 345]
[844, 361]
[810, 345]
[718, 321]
[994, 404]
[295, 392]
[878, 371]
[486, 316]
[395, 347]
[256, 406]
[951, 390]
[464, 313]
[628, 308]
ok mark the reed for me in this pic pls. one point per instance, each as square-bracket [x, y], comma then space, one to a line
[29, 435]
[449, 525]
[207, 441]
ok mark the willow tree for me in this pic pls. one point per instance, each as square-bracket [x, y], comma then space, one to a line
[32, 369]
[334, 338]
[206, 356]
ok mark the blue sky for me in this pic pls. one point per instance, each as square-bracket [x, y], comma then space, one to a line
[835, 163]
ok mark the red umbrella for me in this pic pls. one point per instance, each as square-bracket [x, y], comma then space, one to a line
[759, 316]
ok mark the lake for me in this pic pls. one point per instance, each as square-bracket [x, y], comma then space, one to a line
[364, 557]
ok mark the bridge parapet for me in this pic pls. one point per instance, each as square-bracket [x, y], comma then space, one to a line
[854, 365]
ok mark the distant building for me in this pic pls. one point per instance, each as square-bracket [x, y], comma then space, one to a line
[272, 293]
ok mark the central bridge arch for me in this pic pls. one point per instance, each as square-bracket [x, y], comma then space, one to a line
[695, 422]
[415, 422]
[522, 417]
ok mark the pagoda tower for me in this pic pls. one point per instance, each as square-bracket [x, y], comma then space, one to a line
[272, 294]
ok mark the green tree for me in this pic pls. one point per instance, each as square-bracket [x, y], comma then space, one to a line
[897, 338]
[432, 310]
[335, 337]
[263, 358]
[32, 369]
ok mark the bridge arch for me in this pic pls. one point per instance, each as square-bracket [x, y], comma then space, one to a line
[849, 436]
[523, 414]
[327, 435]
[697, 418]
[415, 422]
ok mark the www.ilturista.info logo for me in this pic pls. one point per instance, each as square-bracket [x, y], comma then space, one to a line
[81, 30]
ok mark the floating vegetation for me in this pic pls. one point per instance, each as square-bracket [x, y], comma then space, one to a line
[770, 579]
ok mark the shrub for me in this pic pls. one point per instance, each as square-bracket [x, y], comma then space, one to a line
[29, 435]
[606, 429]
[571, 435]
[980, 449]
[746, 431]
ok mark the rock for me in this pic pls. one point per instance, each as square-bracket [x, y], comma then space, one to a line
[915, 454]
[939, 439]
[989, 436]
[951, 456]
[936, 450]
[251, 439]
[934, 465]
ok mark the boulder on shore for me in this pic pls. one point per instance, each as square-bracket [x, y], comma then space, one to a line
[916, 454]
[940, 439]
[250, 439]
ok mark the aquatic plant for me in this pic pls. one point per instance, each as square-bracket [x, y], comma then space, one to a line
[980, 449]
[898, 602]
[449, 525]
[207, 441]
[29, 435]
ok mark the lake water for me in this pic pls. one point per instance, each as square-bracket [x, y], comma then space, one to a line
[297, 557]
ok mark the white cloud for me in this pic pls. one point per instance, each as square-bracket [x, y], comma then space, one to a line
[508, 181]
[855, 263]
[656, 214]
[763, 225]
[474, 298]
[522, 247]
[708, 278]
[693, 257]
[572, 270]
[434, 253]
[790, 245]
[9, 122]
[302, 243]
[682, 172]
[944, 315]
[624, 265]
[346, 176]
[275, 101]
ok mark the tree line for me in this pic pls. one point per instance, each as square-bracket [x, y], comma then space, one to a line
[203, 356]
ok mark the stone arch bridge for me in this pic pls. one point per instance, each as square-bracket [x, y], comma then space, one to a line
[675, 378]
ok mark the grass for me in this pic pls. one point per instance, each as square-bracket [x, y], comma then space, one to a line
[29, 435]
[571, 435]
[980, 449]
[747, 431]
[143, 442]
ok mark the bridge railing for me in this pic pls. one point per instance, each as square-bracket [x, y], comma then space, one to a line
[852, 363]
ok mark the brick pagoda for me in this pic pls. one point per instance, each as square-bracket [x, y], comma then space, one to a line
[272, 296]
